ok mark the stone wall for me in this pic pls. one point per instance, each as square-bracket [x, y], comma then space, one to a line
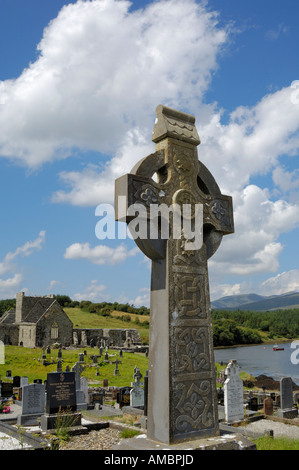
[54, 317]
[27, 335]
[9, 334]
[116, 337]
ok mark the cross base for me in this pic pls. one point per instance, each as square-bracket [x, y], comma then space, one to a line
[226, 441]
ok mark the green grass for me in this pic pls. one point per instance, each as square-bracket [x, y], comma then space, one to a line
[83, 319]
[129, 433]
[280, 443]
[24, 362]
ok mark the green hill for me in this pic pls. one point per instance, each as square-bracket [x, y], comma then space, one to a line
[84, 319]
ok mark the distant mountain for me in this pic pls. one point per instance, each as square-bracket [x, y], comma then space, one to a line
[257, 302]
[232, 301]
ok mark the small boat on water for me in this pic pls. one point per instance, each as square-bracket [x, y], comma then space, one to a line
[276, 348]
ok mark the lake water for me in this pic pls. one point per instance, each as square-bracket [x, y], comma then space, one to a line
[261, 359]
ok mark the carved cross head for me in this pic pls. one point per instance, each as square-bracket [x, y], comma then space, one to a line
[173, 177]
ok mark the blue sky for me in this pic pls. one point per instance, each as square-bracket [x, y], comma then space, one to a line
[79, 84]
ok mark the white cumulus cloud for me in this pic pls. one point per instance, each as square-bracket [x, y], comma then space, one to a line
[100, 254]
[95, 292]
[11, 279]
[101, 70]
[281, 283]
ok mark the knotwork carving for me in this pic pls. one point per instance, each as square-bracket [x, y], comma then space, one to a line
[188, 290]
[183, 163]
[194, 406]
[191, 346]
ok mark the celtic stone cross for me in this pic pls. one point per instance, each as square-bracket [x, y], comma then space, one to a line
[182, 399]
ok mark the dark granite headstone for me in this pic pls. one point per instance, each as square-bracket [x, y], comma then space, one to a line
[61, 392]
[123, 396]
[16, 381]
[6, 389]
[253, 404]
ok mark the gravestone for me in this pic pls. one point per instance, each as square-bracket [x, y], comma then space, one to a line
[137, 392]
[78, 369]
[6, 389]
[33, 404]
[181, 356]
[296, 398]
[97, 397]
[268, 407]
[61, 392]
[123, 396]
[116, 370]
[287, 409]
[24, 381]
[84, 389]
[60, 400]
[233, 393]
[253, 404]
[81, 357]
[16, 381]
[220, 396]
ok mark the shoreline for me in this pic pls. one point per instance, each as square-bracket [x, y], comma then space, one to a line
[284, 341]
[263, 379]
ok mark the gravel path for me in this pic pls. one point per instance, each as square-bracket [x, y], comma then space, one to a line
[94, 440]
[108, 437]
[279, 429]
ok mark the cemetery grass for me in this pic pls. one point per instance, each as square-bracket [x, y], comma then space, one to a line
[25, 362]
[279, 443]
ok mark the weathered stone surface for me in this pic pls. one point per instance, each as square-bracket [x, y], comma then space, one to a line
[182, 400]
[228, 441]
[233, 393]
[287, 409]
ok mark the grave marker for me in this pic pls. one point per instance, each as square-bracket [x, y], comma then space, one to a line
[268, 407]
[181, 356]
[123, 396]
[78, 369]
[61, 392]
[137, 392]
[233, 393]
[33, 404]
[6, 389]
[24, 381]
[16, 381]
[287, 409]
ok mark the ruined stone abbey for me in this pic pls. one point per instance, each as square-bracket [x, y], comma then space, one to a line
[41, 321]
